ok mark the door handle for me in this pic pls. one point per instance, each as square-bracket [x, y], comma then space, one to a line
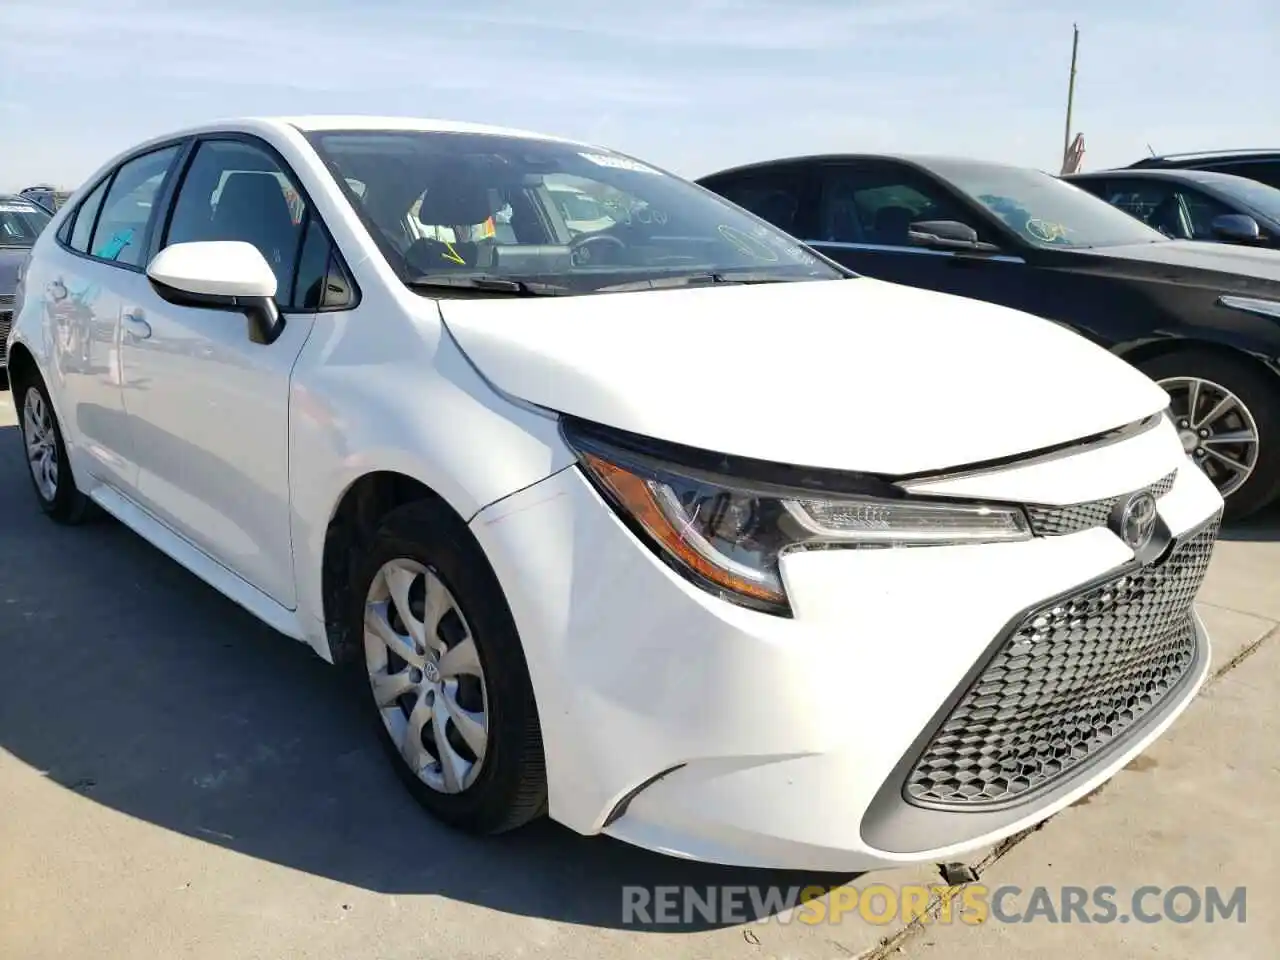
[135, 326]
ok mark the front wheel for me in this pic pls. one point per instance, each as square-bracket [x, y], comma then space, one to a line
[444, 673]
[1228, 417]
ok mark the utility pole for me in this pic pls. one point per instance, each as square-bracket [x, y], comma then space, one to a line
[1071, 90]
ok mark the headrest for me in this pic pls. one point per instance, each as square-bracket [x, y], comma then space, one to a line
[246, 194]
[458, 203]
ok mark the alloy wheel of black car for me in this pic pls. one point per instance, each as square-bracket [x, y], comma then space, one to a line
[1228, 418]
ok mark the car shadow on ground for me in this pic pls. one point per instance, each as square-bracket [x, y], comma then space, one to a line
[1262, 527]
[132, 683]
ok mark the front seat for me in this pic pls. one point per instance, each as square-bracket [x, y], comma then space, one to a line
[779, 209]
[892, 226]
[1167, 218]
[453, 203]
[252, 208]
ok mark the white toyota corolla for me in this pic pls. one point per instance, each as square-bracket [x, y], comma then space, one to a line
[670, 529]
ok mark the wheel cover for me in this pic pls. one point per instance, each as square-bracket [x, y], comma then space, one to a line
[42, 444]
[425, 674]
[1217, 430]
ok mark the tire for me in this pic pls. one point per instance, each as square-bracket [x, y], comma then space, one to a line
[1259, 394]
[509, 787]
[65, 503]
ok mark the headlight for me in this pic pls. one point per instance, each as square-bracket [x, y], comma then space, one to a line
[726, 533]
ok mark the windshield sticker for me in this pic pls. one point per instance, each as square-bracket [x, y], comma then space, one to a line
[1046, 231]
[749, 245]
[616, 163]
[18, 208]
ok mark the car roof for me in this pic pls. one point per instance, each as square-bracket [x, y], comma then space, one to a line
[1207, 177]
[932, 162]
[322, 123]
[1193, 156]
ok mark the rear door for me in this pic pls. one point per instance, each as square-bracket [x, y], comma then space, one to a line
[85, 281]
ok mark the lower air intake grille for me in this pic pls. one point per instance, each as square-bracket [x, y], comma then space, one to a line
[1071, 678]
[6, 321]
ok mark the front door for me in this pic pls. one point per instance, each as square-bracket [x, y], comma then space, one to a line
[209, 407]
[865, 210]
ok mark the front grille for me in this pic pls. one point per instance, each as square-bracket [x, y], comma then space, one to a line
[1072, 677]
[6, 321]
[1047, 521]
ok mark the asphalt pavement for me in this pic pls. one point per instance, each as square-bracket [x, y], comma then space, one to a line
[178, 781]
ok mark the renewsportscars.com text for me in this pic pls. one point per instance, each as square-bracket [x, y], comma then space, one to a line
[973, 903]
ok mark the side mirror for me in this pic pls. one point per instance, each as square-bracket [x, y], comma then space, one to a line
[1235, 228]
[948, 235]
[220, 275]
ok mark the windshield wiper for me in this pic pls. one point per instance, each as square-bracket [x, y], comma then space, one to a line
[697, 279]
[485, 284]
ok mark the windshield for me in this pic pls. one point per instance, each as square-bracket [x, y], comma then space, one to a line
[1256, 196]
[20, 223]
[1044, 210]
[522, 209]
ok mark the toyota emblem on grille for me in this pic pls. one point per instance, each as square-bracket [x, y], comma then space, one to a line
[1137, 521]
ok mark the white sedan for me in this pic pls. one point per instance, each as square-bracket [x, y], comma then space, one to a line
[673, 530]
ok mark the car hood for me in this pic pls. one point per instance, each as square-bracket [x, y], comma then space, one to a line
[10, 260]
[849, 375]
[1234, 265]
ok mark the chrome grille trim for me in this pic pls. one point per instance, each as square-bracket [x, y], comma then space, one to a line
[1058, 521]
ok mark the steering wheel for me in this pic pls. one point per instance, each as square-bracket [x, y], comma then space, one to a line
[580, 245]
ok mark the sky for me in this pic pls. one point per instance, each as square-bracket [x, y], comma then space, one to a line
[690, 85]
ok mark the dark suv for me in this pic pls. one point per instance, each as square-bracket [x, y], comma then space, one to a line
[1192, 204]
[1260, 165]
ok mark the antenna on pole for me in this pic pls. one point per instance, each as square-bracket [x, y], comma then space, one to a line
[1071, 91]
[1150, 151]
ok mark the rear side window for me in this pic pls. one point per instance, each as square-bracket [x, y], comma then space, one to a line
[82, 232]
[776, 196]
[1265, 171]
[121, 233]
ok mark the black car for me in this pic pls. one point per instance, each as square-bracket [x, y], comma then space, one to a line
[1260, 165]
[1201, 319]
[1192, 204]
[21, 221]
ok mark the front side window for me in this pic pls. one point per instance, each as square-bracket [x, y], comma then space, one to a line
[1202, 210]
[1155, 202]
[121, 231]
[523, 209]
[1042, 209]
[876, 203]
[21, 223]
[1262, 171]
[235, 190]
[775, 195]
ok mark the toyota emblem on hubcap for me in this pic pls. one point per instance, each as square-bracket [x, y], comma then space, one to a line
[1137, 521]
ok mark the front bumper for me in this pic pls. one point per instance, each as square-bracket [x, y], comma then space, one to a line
[687, 725]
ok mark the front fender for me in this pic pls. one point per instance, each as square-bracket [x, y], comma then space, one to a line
[429, 417]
